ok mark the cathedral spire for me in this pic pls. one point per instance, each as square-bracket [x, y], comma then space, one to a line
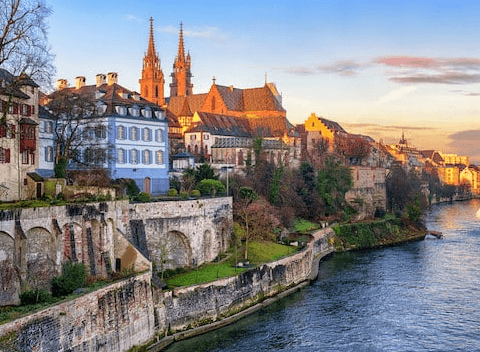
[152, 81]
[181, 76]
[181, 46]
[151, 42]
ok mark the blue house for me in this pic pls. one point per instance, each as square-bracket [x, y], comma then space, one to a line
[126, 135]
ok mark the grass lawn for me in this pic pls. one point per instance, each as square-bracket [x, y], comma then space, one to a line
[258, 253]
[303, 226]
[263, 252]
[204, 274]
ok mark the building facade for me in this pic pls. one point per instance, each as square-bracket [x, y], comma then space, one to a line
[18, 137]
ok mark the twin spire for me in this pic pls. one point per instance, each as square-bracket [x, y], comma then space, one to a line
[152, 82]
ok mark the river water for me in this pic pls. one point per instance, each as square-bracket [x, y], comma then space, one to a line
[419, 296]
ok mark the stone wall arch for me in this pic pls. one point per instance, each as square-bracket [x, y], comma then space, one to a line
[9, 276]
[72, 242]
[177, 251]
[40, 255]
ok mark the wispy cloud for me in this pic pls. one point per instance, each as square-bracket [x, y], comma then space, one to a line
[341, 68]
[408, 69]
[387, 128]
[197, 32]
[134, 18]
[396, 94]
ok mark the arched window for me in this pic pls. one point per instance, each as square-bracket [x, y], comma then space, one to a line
[159, 157]
[213, 103]
[156, 91]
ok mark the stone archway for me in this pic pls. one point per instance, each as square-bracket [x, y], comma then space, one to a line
[40, 254]
[175, 250]
[9, 278]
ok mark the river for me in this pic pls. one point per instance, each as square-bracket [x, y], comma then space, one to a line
[419, 296]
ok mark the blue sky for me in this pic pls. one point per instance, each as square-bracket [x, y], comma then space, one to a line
[374, 67]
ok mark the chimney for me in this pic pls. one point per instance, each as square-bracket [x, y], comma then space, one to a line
[79, 82]
[61, 83]
[231, 88]
[100, 79]
[112, 78]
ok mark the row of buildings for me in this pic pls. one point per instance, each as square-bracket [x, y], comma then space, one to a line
[146, 136]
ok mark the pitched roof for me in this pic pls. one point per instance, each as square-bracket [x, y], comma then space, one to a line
[223, 125]
[256, 99]
[269, 126]
[240, 142]
[233, 97]
[113, 95]
[332, 125]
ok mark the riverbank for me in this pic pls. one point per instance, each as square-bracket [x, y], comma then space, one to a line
[375, 234]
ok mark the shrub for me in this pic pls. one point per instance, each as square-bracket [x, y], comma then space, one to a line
[143, 197]
[73, 276]
[172, 192]
[131, 188]
[60, 196]
[184, 195]
[195, 193]
[34, 297]
[210, 186]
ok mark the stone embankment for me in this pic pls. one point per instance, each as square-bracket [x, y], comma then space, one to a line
[132, 312]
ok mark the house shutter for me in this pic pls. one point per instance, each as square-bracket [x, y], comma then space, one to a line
[7, 155]
[29, 110]
[15, 108]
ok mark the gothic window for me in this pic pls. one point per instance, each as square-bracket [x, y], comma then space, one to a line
[156, 91]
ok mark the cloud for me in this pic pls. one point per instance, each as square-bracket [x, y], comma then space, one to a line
[388, 128]
[342, 68]
[396, 94]
[414, 70]
[472, 94]
[134, 18]
[197, 32]
[466, 136]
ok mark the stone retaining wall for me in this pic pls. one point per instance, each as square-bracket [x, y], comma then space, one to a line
[113, 318]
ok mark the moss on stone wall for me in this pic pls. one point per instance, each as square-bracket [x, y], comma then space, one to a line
[374, 234]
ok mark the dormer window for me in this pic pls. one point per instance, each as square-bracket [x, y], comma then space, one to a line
[147, 112]
[134, 111]
[121, 110]
[159, 115]
[101, 108]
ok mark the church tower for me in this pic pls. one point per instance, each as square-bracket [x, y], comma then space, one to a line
[152, 81]
[181, 76]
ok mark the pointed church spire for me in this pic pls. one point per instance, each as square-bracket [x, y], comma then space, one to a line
[152, 81]
[181, 47]
[151, 42]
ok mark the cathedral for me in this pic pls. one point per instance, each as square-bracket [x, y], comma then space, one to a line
[260, 108]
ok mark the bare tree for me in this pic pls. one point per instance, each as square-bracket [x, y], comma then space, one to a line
[23, 39]
[80, 135]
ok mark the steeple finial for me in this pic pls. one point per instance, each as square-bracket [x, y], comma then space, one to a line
[214, 79]
[151, 43]
[181, 47]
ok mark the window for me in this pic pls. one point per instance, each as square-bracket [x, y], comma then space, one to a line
[133, 133]
[120, 132]
[134, 156]
[24, 110]
[4, 155]
[147, 134]
[134, 111]
[11, 131]
[147, 112]
[193, 137]
[32, 157]
[100, 132]
[159, 136]
[159, 157]
[121, 110]
[146, 157]
[48, 126]
[25, 157]
[206, 136]
[121, 156]
[49, 154]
